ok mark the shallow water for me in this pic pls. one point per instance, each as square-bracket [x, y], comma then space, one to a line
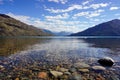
[37, 51]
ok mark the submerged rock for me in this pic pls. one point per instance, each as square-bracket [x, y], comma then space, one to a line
[2, 67]
[84, 70]
[98, 68]
[81, 65]
[76, 76]
[67, 73]
[42, 75]
[107, 61]
[56, 73]
[63, 70]
[72, 70]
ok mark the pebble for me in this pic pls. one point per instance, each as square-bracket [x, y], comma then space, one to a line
[76, 76]
[56, 73]
[63, 70]
[2, 67]
[72, 70]
[67, 73]
[98, 68]
[99, 77]
[17, 79]
[42, 75]
[81, 65]
[84, 70]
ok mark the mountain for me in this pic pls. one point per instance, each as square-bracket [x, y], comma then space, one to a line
[12, 27]
[110, 28]
[47, 31]
[62, 33]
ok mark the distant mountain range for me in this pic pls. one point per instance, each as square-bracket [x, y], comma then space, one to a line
[110, 28]
[12, 27]
[61, 33]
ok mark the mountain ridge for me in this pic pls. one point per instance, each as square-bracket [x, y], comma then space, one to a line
[110, 28]
[12, 27]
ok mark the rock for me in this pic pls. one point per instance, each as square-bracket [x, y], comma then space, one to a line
[98, 68]
[76, 77]
[99, 77]
[107, 61]
[72, 70]
[67, 73]
[84, 70]
[63, 70]
[113, 77]
[56, 73]
[42, 75]
[81, 65]
[2, 67]
[17, 79]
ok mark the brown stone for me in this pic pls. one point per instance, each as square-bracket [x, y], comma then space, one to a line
[17, 79]
[42, 75]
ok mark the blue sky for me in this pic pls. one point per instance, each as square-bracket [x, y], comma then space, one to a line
[62, 15]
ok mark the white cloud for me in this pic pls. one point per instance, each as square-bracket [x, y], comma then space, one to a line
[77, 7]
[63, 16]
[22, 18]
[89, 14]
[96, 6]
[95, 13]
[86, 2]
[114, 8]
[59, 1]
[53, 23]
[73, 7]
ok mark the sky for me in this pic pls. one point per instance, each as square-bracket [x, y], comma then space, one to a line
[62, 15]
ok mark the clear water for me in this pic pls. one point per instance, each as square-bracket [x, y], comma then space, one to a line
[60, 47]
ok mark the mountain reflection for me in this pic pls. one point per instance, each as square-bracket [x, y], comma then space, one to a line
[110, 43]
[59, 48]
[13, 45]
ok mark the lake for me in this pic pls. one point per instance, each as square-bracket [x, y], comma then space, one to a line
[23, 58]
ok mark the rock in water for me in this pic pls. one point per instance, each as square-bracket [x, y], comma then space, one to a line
[63, 70]
[107, 61]
[76, 76]
[81, 65]
[42, 75]
[56, 73]
[84, 70]
[98, 68]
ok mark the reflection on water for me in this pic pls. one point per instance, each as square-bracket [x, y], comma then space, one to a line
[61, 47]
[14, 45]
[37, 51]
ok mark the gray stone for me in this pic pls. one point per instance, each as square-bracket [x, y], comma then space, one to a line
[98, 68]
[67, 73]
[81, 65]
[76, 77]
[63, 70]
[56, 73]
[84, 70]
[2, 67]
[72, 70]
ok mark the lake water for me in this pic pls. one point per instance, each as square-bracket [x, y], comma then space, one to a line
[42, 53]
